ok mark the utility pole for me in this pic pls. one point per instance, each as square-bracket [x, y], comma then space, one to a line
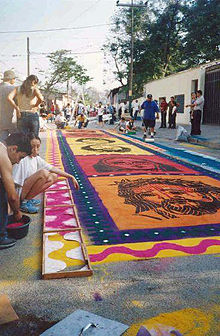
[130, 86]
[28, 58]
[67, 89]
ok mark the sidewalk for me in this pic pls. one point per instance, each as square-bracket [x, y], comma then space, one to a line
[210, 134]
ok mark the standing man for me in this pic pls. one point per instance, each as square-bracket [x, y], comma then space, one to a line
[170, 107]
[6, 109]
[150, 109]
[17, 147]
[197, 113]
[136, 108]
[68, 112]
[80, 108]
[100, 114]
[163, 110]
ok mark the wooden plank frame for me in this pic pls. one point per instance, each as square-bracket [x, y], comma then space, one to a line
[63, 274]
[51, 188]
[67, 274]
[73, 207]
[55, 205]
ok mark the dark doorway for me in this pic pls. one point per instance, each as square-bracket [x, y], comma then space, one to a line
[211, 114]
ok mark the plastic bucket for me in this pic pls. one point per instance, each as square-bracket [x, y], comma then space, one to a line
[18, 230]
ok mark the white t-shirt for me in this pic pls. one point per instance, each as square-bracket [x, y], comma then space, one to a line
[27, 167]
[174, 109]
[60, 118]
[199, 103]
[122, 107]
[100, 111]
[135, 106]
[80, 108]
[68, 111]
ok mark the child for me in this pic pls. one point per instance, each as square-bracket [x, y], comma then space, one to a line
[33, 175]
[121, 125]
[130, 125]
[82, 121]
[60, 120]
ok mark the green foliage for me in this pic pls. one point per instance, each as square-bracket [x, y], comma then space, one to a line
[169, 36]
[63, 68]
[202, 28]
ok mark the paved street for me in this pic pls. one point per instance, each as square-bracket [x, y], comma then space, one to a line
[110, 221]
[128, 291]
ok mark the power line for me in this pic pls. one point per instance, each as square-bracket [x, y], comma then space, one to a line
[48, 53]
[53, 29]
[86, 10]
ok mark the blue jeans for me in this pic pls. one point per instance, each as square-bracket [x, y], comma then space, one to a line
[29, 123]
[3, 211]
[83, 124]
[5, 133]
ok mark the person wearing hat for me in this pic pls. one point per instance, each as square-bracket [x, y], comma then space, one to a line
[150, 109]
[6, 110]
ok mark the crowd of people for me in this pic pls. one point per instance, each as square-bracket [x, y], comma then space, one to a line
[167, 112]
[23, 173]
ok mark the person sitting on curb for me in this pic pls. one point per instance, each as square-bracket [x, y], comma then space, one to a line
[33, 175]
[121, 125]
[17, 147]
[60, 120]
[82, 121]
[130, 125]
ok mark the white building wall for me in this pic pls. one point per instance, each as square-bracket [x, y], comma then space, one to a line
[177, 84]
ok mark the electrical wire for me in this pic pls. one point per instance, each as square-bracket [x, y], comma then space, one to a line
[53, 29]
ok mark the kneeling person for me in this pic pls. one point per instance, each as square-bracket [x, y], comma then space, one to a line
[130, 125]
[17, 147]
[33, 175]
[82, 121]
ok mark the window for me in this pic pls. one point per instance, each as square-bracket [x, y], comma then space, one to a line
[180, 100]
[194, 85]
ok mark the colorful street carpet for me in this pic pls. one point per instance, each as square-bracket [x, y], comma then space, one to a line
[135, 201]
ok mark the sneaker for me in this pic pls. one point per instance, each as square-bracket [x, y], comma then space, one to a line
[7, 242]
[27, 206]
[35, 201]
[144, 136]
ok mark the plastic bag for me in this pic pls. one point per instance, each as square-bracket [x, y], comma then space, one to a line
[182, 134]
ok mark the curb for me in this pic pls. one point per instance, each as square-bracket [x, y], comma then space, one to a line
[204, 142]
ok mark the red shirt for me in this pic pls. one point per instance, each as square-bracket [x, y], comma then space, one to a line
[163, 106]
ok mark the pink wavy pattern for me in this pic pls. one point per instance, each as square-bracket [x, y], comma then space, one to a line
[197, 249]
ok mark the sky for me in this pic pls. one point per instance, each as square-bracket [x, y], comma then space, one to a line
[86, 44]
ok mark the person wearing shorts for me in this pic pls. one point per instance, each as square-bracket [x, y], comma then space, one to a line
[151, 112]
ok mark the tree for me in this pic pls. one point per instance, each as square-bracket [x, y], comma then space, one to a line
[202, 31]
[63, 68]
[157, 35]
[168, 37]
